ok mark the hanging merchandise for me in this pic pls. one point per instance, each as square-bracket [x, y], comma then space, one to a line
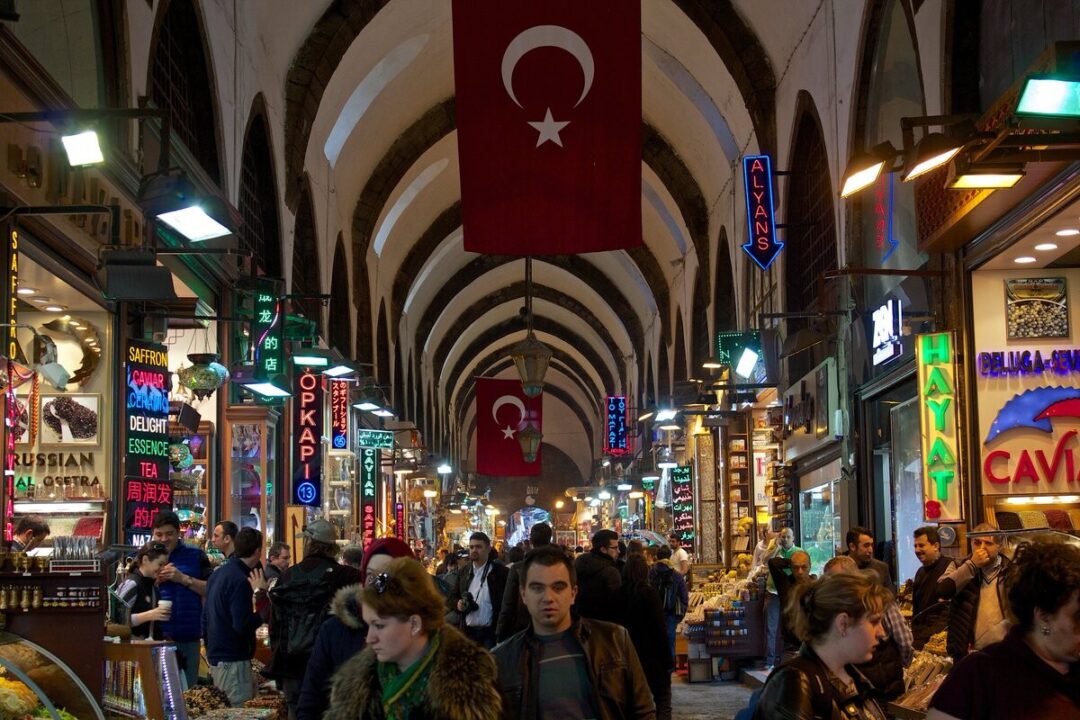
[204, 375]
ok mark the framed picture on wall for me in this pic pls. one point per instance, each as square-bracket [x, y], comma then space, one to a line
[1036, 308]
[70, 419]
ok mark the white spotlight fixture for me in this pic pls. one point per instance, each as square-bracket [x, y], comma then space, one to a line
[83, 149]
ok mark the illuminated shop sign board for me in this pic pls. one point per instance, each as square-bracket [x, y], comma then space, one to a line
[307, 434]
[339, 414]
[886, 322]
[1033, 451]
[682, 504]
[11, 351]
[939, 416]
[268, 326]
[615, 441]
[375, 439]
[147, 486]
[762, 245]
[369, 493]
[884, 192]
[1013, 363]
[399, 520]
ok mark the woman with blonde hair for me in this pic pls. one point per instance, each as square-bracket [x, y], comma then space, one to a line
[838, 619]
[414, 665]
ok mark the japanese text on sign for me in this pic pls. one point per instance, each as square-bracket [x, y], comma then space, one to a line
[308, 429]
[339, 414]
[938, 421]
[616, 425]
[682, 503]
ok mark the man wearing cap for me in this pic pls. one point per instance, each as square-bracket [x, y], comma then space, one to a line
[319, 563]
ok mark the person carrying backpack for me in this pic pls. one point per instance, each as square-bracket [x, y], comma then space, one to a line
[673, 592]
[300, 602]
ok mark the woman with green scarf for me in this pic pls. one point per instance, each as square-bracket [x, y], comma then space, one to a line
[414, 667]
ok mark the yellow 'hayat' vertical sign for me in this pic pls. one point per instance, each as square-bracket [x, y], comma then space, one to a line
[939, 420]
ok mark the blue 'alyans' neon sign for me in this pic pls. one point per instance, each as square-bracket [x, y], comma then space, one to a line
[762, 245]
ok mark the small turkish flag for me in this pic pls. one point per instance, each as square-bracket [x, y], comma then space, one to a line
[549, 125]
[502, 411]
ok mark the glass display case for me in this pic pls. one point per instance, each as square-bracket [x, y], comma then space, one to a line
[821, 522]
[35, 682]
[142, 680]
[191, 467]
[338, 492]
[252, 468]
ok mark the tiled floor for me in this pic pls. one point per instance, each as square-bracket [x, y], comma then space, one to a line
[707, 701]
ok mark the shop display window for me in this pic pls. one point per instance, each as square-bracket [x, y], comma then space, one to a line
[821, 524]
[33, 681]
[251, 440]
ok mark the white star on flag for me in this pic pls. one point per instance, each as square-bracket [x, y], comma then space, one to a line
[508, 433]
[549, 129]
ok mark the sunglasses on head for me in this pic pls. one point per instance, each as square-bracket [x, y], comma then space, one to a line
[158, 547]
[383, 581]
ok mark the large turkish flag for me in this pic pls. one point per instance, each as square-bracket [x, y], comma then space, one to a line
[502, 411]
[549, 124]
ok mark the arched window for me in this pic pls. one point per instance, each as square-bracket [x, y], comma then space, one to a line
[305, 262]
[180, 83]
[260, 233]
[340, 335]
[680, 348]
[724, 311]
[811, 240]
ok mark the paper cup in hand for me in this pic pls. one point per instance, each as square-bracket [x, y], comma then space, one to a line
[166, 605]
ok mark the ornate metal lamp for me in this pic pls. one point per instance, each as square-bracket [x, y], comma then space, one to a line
[531, 357]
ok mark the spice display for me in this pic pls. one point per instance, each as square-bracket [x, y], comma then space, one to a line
[16, 699]
[204, 698]
[270, 701]
[81, 420]
[1036, 308]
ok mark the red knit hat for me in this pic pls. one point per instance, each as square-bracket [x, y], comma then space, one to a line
[391, 546]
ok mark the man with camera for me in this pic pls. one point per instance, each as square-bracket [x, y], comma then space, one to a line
[479, 591]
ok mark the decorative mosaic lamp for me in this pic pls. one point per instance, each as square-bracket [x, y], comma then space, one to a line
[204, 376]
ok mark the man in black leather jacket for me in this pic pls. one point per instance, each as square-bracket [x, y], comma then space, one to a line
[590, 667]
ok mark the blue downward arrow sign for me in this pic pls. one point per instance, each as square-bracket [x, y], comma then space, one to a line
[762, 244]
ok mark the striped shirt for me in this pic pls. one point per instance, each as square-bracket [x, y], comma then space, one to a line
[565, 692]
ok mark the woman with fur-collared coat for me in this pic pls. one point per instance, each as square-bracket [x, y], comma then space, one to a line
[414, 667]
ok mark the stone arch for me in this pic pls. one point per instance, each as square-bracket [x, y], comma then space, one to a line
[260, 232]
[305, 262]
[180, 78]
[339, 332]
[725, 313]
[680, 348]
[811, 240]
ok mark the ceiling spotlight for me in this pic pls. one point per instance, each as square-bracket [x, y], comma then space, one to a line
[623, 487]
[383, 413]
[645, 416]
[1068, 232]
[605, 495]
[666, 459]
[431, 493]
[666, 414]
[933, 151]
[559, 504]
[711, 365]
[670, 426]
[984, 177]
[444, 469]
[26, 291]
[1024, 260]
[746, 364]
[636, 495]
[1045, 247]
[55, 308]
[1052, 95]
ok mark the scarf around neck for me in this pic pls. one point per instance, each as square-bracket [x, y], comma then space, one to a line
[405, 689]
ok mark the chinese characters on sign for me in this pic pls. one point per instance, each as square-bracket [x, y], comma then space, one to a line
[147, 485]
[376, 439]
[762, 245]
[616, 425]
[269, 336]
[938, 421]
[339, 414]
[308, 430]
[682, 504]
[369, 493]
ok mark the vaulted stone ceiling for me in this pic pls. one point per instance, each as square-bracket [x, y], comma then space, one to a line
[370, 125]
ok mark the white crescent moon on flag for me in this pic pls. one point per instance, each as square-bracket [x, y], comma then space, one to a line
[547, 36]
[508, 400]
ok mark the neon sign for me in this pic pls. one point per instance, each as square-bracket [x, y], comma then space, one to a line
[399, 520]
[369, 493]
[375, 439]
[1003, 363]
[682, 503]
[308, 430]
[269, 336]
[11, 404]
[615, 442]
[939, 419]
[884, 191]
[339, 414]
[762, 245]
[147, 485]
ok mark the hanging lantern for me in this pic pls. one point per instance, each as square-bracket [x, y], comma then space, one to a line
[204, 376]
[531, 359]
[529, 439]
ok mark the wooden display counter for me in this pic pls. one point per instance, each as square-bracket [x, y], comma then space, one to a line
[142, 680]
